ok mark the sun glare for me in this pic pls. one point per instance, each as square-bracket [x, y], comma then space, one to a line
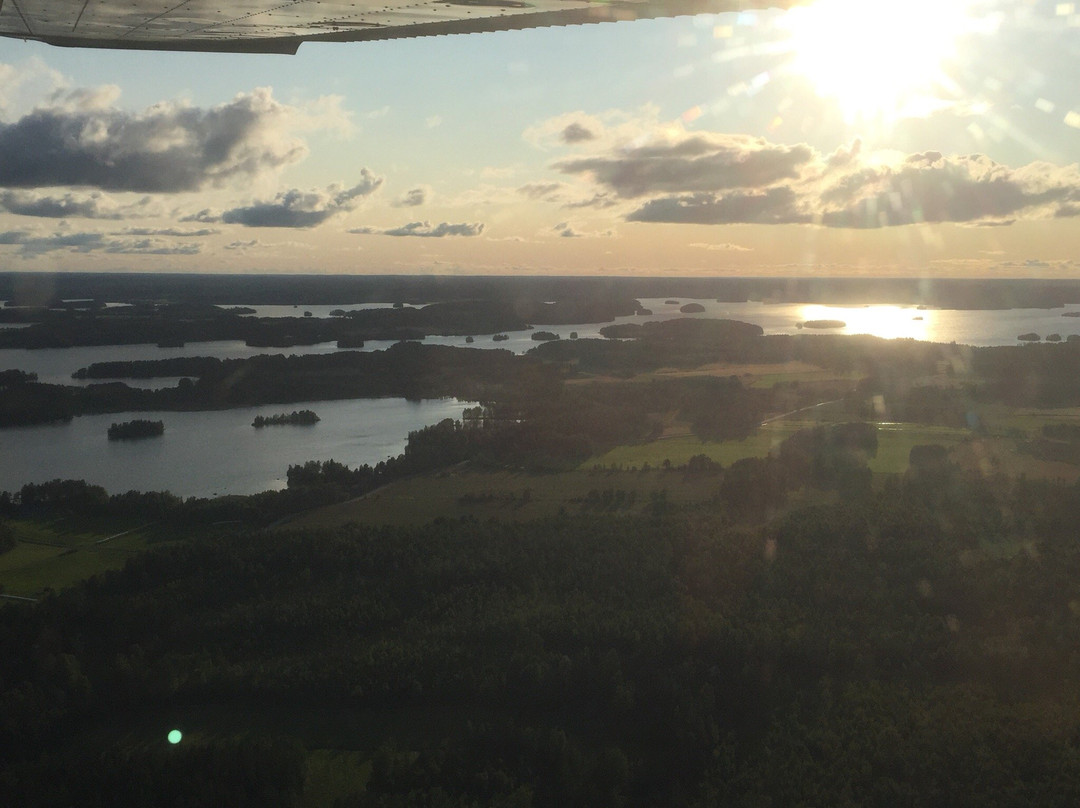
[877, 58]
[887, 322]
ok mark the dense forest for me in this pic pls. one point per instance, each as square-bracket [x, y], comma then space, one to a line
[913, 646]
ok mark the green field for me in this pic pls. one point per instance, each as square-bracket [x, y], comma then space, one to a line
[56, 554]
[894, 445]
[1005, 420]
[679, 449]
[895, 442]
[502, 495]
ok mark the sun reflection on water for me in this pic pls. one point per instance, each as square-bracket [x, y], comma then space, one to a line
[888, 322]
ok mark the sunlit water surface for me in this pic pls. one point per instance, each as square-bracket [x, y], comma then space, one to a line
[217, 452]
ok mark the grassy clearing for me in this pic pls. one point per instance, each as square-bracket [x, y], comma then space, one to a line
[29, 569]
[998, 455]
[751, 375]
[502, 495]
[679, 449]
[895, 442]
[58, 553]
[1029, 421]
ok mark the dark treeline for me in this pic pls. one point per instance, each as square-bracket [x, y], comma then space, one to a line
[177, 324]
[298, 417]
[38, 288]
[1038, 374]
[136, 429]
[890, 649]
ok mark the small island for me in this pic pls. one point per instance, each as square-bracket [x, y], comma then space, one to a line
[823, 324]
[692, 308]
[137, 429]
[295, 418]
[1030, 336]
[544, 336]
[500, 338]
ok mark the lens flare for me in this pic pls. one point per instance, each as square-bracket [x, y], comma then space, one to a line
[877, 58]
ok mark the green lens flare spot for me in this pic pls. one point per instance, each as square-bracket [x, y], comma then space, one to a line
[175, 736]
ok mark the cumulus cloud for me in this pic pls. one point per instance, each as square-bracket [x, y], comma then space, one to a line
[173, 232]
[425, 230]
[243, 246]
[412, 198]
[770, 206]
[577, 133]
[547, 191]
[930, 187]
[31, 245]
[296, 208]
[598, 200]
[22, 85]
[566, 230]
[81, 138]
[699, 162]
[582, 129]
[712, 178]
[67, 206]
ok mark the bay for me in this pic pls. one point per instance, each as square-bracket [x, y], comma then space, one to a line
[214, 452]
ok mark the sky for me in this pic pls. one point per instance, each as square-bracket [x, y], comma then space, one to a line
[845, 138]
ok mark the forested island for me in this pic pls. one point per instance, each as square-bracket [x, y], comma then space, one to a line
[685, 564]
[295, 418]
[136, 430]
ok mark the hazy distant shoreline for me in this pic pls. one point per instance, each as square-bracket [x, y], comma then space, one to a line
[34, 288]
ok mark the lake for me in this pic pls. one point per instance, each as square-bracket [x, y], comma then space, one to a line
[216, 452]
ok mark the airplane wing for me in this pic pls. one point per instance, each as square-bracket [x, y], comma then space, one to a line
[279, 26]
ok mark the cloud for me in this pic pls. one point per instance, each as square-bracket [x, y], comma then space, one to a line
[577, 133]
[31, 245]
[701, 162]
[770, 206]
[725, 247]
[81, 139]
[22, 85]
[599, 200]
[566, 230]
[715, 178]
[174, 232]
[433, 121]
[243, 246]
[547, 191]
[296, 208]
[67, 206]
[581, 129]
[412, 198]
[425, 230]
[930, 187]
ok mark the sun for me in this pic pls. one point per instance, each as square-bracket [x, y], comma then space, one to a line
[877, 58]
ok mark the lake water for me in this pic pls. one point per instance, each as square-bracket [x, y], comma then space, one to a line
[219, 452]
